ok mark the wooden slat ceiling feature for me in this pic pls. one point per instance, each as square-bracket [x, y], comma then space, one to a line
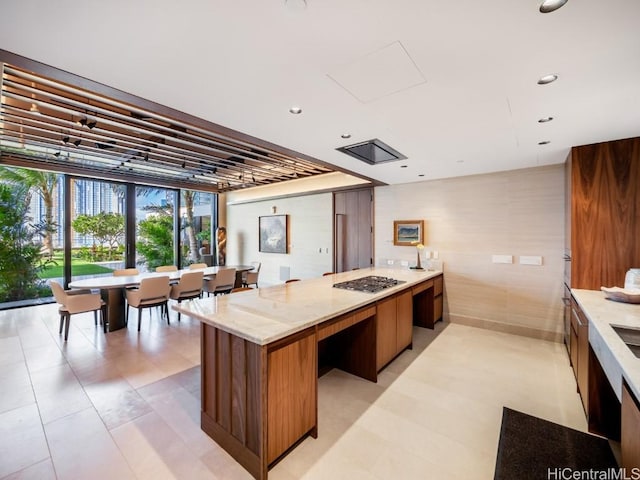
[55, 126]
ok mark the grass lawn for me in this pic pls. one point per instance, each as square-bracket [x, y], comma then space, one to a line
[78, 267]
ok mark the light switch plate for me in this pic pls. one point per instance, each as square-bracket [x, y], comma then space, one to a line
[502, 258]
[530, 260]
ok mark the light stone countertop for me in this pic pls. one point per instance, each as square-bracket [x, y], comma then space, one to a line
[267, 314]
[617, 360]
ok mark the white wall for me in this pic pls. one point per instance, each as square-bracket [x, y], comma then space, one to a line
[310, 229]
[469, 219]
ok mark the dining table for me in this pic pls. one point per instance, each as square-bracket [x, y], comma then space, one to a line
[112, 288]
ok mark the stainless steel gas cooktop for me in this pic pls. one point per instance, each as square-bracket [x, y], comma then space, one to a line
[370, 284]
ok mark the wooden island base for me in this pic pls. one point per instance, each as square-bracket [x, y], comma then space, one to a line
[260, 401]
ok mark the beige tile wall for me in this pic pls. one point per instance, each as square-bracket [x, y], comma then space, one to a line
[469, 219]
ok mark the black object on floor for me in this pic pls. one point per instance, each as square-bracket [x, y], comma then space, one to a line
[533, 448]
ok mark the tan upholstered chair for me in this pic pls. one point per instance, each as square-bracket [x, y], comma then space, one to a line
[153, 292]
[189, 286]
[167, 268]
[125, 272]
[251, 277]
[77, 301]
[223, 282]
[195, 266]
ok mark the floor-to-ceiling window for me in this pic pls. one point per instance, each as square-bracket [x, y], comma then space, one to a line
[168, 227]
[97, 227]
[155, 233]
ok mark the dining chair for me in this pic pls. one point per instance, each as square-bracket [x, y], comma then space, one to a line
[195, 266]
[153, 292]
[167, 268]
[251, 277]
[189, 286]
[126, 272]
[223, 282]
[77, 301]
[292, 280]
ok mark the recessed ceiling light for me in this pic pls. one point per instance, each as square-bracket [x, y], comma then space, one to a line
[545, 119]
[295, 110]
[296, 5]
[459, 161]
[421, 175]
[403, 166]
[549, 6]
[547, 79]
[544, 142]
[346, 135]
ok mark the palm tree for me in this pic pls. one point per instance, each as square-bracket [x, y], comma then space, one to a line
[44, 185]
[188, 197]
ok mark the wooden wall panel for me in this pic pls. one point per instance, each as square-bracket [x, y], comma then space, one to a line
[238, 388]
[223, 398]
[292, 394]
[357, 208]
[605, 213]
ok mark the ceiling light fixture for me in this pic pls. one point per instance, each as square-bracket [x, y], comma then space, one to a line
[545, 119]
[548, 6]
[552, 77]
[295, 110]
[544, 142]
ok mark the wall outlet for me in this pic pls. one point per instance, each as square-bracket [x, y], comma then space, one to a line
[502, 258]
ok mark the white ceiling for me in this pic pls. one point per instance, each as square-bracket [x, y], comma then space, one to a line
[458, 95]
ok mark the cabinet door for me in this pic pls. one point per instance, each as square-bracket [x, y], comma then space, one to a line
[583, 364]
[386, 331]
[630, 438]
[404, 321]
[573, 350]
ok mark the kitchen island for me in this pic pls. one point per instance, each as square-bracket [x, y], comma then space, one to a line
[261, 349]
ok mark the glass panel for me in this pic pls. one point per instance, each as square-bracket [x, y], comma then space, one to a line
[154, 228]
[195, 221]
[30, 233]
[97, 228]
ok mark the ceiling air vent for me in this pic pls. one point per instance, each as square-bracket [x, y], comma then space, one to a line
[372, 152]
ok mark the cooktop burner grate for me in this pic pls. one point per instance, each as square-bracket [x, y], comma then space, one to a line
[370, 284]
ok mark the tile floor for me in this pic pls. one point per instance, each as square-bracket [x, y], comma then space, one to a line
[126, 405]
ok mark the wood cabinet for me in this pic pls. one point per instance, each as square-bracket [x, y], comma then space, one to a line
[437, 297]
[291, 393]
[579, 351]
[427, 302]
[258, 401]
[604, 207]
[394, 317]
[630, 434]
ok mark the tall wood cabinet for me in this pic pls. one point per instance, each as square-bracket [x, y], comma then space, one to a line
[603, 213]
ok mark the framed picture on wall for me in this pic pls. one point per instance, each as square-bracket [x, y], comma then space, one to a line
[408, 232]
[273, 234]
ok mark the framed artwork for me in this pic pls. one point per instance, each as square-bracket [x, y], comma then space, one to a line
[273, 234]
[408, 232]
